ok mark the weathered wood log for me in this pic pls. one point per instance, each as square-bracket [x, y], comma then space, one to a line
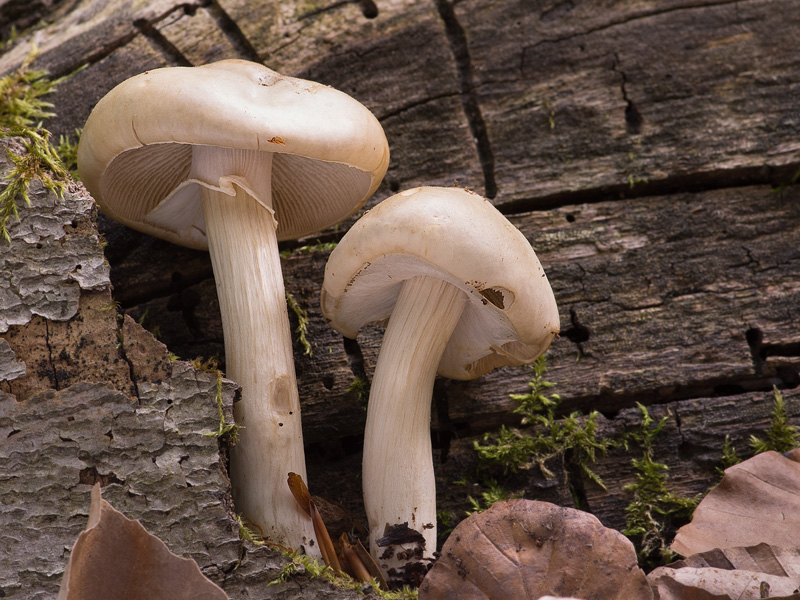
[636, 144]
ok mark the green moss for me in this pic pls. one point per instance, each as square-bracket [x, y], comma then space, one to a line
[309, 249]
[302, 564]
[231, 430]
[22, 108]
[302, 323]
[654, 512]
[67, 151]
[360, 387]
[729, 457]
[572, 440]
[493, 493]
[39, 161]
[781, 436]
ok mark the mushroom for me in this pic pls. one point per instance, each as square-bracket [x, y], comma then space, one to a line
[206, 157]
[463, 293]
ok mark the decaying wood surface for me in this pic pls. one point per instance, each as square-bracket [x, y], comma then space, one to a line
[644, 148]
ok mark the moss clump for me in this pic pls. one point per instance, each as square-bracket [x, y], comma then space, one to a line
[22, 107]
[493, 493]
[654, 512]
[309, 249]
[572, 440]
[781, 436]
[729, 456]
[302, 323]
[302, 564]
[225, 429]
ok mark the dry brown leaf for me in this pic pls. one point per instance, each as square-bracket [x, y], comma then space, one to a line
[528, 549]
[692, 583]
[300, 492]
[757, 501]
[763, 558]
[115, 557]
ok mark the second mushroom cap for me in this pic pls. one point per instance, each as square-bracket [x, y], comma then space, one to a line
[511, 316]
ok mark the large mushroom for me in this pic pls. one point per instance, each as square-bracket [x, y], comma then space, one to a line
[463, 293]
[234, 157]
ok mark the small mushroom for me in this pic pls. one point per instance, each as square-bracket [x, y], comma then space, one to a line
[463, 293]
[206, 157]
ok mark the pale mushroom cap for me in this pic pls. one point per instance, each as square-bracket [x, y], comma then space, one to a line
[135, 151]
[511, 316]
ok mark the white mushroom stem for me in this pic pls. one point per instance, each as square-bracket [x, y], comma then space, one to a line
[399, 484]
[258, 349]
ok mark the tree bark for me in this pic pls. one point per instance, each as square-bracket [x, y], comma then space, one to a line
[647, 150]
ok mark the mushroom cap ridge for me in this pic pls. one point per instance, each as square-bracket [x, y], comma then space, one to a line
[330, 152]
[511, 316]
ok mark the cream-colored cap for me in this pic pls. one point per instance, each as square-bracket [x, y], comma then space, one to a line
[330, 152]
[511, 316]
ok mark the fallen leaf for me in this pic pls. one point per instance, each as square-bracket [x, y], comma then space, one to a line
[527, 549]
[303, 497]
[115, 557]
[757, 501]
[763, 558]
[691, 583]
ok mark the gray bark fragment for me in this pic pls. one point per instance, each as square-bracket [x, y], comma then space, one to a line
[43, 269]
[10, 367]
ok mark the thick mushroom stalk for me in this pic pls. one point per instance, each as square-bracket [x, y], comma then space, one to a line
[162, 147]
[237, 209]
[399, 484]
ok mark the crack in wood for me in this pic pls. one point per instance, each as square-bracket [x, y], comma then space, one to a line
[161, 44]
[577, 333]
[690, 183]
[643, 14]
[633, 118]
[412, 105]
[457, 39]
[368, 8]
[355, 359]
[52, 372]
[132, 375]
[231, 30]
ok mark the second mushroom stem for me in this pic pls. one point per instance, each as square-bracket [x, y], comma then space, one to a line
[398, 477]
[258, 351]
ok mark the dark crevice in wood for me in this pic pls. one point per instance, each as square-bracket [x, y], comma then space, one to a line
[124, 356]
[411, 105]
[677, 184]
[95, 57]
[442, 434]
[577, 332]
[231, 30]
[637, 16]
[575, 482]
[457, 38]
[51, 367]
[161, 44]
[368, 8]
[755, 340]
[144, 27]
[90, 476]
[613, 403]
[355, 358]
[633, 118]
